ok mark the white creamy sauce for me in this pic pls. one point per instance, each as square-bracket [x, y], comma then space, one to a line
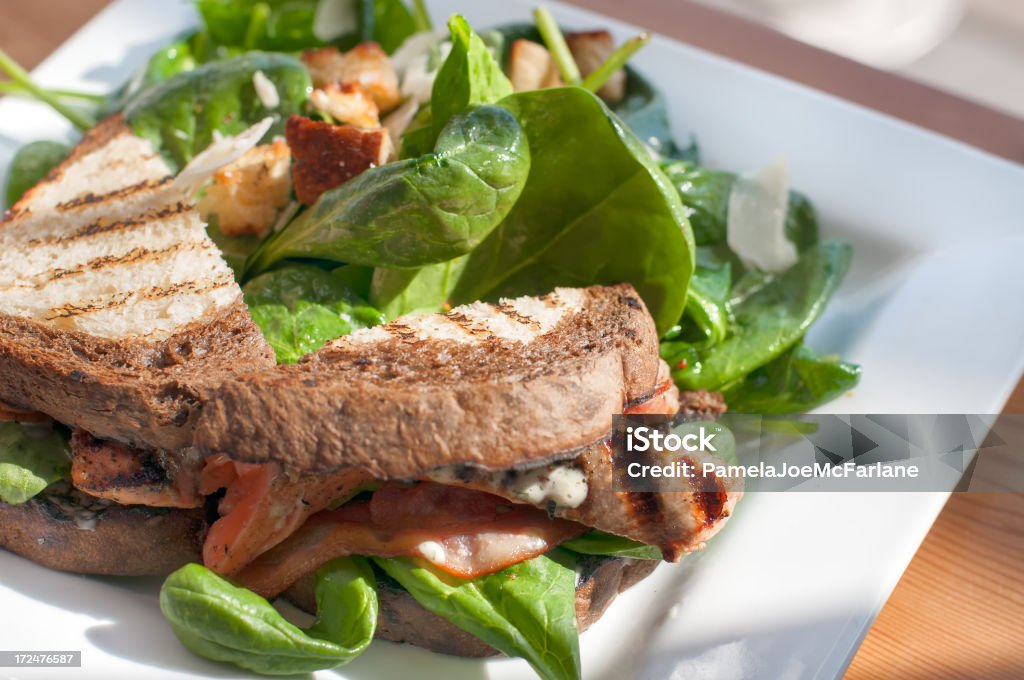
[756, 223]
[564, 485]
[432, 551]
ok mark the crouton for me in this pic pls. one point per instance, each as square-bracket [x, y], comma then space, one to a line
[247, 195]
[365, 65]
[590, 49]
[347, 104]
[328, 155]
[531, 67]
[324, 65]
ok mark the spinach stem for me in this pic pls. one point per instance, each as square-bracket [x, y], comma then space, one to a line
[555, 42]
[16, 89]
[422, 16]
[615, 61]
[257, 24]
[22, 78]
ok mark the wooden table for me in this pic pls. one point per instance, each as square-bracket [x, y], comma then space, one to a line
[958, 611]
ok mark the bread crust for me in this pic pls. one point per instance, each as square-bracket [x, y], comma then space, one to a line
[402, 406]
[402, 619]
[143, 393]
[123, 541]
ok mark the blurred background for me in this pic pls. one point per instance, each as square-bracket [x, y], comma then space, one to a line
[973, 48]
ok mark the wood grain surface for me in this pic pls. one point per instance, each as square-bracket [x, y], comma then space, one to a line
[958, 611]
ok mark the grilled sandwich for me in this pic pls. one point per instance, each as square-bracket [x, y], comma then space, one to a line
[511, 401]
[115, 308]
[473, 439]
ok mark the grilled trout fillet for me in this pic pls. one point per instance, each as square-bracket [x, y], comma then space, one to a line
[114, 302]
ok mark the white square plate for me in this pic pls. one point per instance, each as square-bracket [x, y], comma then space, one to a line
[931, 310]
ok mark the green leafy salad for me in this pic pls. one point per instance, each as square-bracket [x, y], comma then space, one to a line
[491, 163]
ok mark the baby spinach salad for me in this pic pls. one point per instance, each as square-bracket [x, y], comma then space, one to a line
[489, 164]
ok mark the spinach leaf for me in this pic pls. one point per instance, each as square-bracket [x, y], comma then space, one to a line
[31, 458]
[644, 110]
[614, 219]
[599, 543]
[278, 25]
[796, 382]
[223, 622]
[164, 63]
[30, 165]
[234, 249]
[470, 75]
[527, 610]
[290, 25]
[300, 308]
[393, 22]
[427, 289]
[419, 211]
[705, 194]
[767, 322]
[180, 114]
[707, 302]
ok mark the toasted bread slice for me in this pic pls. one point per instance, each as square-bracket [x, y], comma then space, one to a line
[114, 303]
[67, 530]
[493, 386]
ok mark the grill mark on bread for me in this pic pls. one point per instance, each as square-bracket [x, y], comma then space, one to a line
[90, 198]
[477, 330]
[154, 293]
[104, 226]
[134, 256]
[510, 311]
[402, 332]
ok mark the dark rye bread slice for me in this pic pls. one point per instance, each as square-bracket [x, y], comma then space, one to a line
[70, 531]
[493, 386]
[114, 303]
[143, 393]
[402, 619]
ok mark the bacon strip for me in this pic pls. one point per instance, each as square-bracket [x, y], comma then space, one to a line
[466, 533]
[263, 506]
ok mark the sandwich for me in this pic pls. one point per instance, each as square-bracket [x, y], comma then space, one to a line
[443, 479]
[473, 440]
[115, 309]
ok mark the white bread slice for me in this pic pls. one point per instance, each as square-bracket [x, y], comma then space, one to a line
[115, 305]
[106, 246]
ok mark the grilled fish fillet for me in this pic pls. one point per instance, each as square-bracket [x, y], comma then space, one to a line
[114, 303]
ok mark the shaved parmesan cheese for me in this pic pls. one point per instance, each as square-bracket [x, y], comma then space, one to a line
[418, 74]
[756, 225]
[222, 151]
[265, 90]
[415, 46]
[334, 18]
[398, 120]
